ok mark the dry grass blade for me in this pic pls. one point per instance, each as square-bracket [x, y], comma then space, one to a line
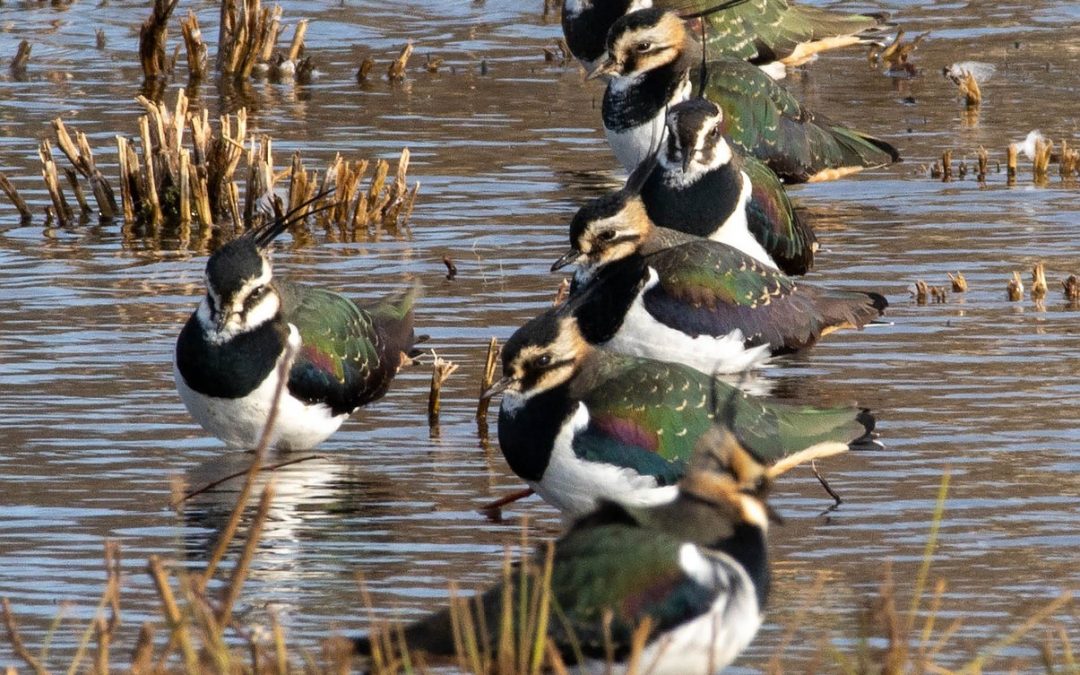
[17, 643]
[229, 531]
[171, 611]
[251, 542]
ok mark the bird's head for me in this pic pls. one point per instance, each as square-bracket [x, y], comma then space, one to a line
[642, 41]
[239, 294]
[541, 355]
[606, 229]
[695, 138]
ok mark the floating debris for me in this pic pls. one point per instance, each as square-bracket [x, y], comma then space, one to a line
[1016, 288]
[432, 63]
[1038, 281]
[451, 268]
[939, 294]
[959, 283]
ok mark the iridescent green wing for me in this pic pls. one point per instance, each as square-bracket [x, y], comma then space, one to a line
[773, 430]
[762, 31]
[765, 121]
[346, 359]
[773, 221]
[644, 414]
[629, 571]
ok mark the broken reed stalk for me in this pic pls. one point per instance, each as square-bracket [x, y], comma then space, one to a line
[1038, 282]
[22, 57]
[247, 36]
[175, 621]
[984, 160]
[441, 370]
[1015, 288]
[1041, 162]
[12, 194]
[959, 283]
[969, 89]
[1010, 163]
[297, 44]
[1069, 163]
[152, 38]
[396, 72]
[946, 166]
[80, 155]
[487, 380]
[52, 183]
[197, 58]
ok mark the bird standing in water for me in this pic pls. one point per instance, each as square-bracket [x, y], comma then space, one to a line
[229, 353]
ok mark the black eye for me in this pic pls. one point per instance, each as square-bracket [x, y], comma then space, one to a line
[254, 297]
[714, 132]
[606, 235]
[643, 47]
[543, 361]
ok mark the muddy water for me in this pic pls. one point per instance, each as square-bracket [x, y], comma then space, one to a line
[505, 146]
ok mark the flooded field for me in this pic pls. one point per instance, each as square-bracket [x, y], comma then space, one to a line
[506, 146]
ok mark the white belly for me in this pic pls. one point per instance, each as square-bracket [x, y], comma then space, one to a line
[239, 422]
[642, 335]
[709, 643]
[573, 485]
[735, 231]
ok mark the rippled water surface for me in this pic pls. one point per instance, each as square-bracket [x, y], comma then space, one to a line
[506, 146]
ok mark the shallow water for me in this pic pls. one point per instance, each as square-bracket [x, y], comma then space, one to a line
[506, 146]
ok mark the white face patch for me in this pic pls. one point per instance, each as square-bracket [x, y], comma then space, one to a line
[239, 319]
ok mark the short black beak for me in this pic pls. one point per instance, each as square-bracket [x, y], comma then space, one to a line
[687, 158]
[568, 258]
[499, 387]
[608, 67]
